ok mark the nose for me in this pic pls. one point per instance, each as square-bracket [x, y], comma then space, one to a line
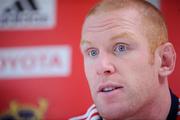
[105, 67]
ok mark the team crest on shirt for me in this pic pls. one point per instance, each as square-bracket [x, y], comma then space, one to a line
[19, 111]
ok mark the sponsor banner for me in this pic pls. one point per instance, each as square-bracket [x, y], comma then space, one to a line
[43, 61]
[27, 14]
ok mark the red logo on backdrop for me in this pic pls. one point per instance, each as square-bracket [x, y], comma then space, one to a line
[35, 61]
[19, 111]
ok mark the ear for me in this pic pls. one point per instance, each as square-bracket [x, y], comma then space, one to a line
[168, 59]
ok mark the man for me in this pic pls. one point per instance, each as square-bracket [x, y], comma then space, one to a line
[127, 60]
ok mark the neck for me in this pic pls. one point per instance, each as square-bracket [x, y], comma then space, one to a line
[158, 109]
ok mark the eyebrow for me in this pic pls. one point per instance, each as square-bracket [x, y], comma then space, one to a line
[123, 35]
[115, 37]
[85, 42]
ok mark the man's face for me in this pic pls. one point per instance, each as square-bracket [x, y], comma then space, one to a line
[116, 60]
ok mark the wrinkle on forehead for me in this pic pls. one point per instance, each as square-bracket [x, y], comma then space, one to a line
[111, 20]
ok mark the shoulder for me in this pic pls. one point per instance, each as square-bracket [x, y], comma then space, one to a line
[178, 113]
[91, 114]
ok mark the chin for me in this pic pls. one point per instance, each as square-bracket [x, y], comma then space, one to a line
[113, 112]
[113, 116]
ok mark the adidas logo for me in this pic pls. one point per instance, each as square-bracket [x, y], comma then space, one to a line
[27, 14]
[22, 5]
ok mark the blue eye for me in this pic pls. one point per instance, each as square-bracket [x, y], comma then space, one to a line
[93, 52]
[120, 48]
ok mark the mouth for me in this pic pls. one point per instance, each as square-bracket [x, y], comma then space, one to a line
[107, 88]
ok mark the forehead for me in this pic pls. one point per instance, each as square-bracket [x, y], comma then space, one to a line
[118, 23]
[102, 19]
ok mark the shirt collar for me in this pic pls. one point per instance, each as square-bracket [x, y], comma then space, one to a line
[174, 107]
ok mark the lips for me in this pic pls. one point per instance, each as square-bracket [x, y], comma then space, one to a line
[108, 87]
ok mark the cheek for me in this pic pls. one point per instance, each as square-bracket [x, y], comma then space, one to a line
[88, 65]
[139, 73]
[90, 74]
[143, 82]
